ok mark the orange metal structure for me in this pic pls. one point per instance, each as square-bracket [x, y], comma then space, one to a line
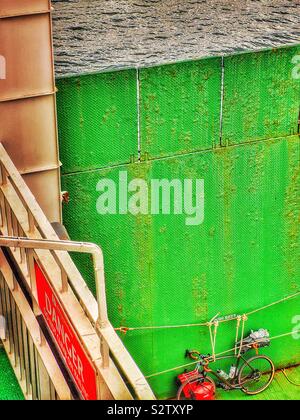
[28, 128]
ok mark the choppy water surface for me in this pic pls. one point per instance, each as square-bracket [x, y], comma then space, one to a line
[93, 35]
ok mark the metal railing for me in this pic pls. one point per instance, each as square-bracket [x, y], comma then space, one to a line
[35, 366]
[31, 240]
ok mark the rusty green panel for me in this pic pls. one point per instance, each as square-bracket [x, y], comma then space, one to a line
[180, 107]
[261, 95]
[144, 289]
[124, 239]
[97, 117]
[162, 272]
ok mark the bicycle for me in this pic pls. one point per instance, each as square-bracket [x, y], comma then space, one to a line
[252, 377]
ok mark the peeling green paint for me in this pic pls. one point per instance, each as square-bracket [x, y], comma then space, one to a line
[180, 107]
[97, 120]
[261, 98]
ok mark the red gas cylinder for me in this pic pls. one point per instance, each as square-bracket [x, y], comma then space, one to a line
[197, 390]
[204, 391]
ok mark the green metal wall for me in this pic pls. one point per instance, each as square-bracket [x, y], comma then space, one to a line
[246, 254]
[180, 108]
[97, 120]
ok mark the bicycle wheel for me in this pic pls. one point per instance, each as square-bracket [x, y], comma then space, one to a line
[194, 381]
[256, 375]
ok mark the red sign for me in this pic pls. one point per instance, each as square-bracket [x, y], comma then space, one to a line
[72, 351]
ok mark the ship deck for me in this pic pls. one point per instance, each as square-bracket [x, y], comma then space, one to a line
[280, 389]
[9, 387]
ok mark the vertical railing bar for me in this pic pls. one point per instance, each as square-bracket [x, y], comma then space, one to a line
[2, 312]
[8, 321]
[3, 213]
[37, 371]
[64, 281]
[32, 368]
[8, 218]
[3, 304]
[30, 265]
[26, 357]
[4, 174]
[21, 344]
[31, 221]
[13, 225]
[15, 228]
[64, 276]
[52, 390]
[15, 334]
[45, 383]
[1, 292]
[1, 210]
[31, 272]
[22, 250]
[27, 263]
[14, 329]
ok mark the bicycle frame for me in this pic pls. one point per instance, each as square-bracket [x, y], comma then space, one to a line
[231, 384]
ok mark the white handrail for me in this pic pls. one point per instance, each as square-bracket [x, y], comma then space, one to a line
[40, 235]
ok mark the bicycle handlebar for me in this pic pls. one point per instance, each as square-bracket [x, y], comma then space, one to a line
[195, 355]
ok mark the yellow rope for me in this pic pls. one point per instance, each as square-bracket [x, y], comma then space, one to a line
[216, 356]
[125, 329]
[206, 324]
[216, 325]
[287, 377]
[238, 323]
[213, 337]
[244, 319]
[274, 303]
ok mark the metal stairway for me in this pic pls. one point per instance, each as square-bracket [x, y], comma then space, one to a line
[58, 336]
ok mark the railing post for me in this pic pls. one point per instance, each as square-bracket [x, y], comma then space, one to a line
[102, 321]
[64, 280]
[104, 348]
[3, 174]
[2, 206]
[8, 219]
[64, 275]
[31, 223]
[32, 278]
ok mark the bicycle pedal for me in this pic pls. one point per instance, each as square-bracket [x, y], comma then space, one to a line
[223, 386]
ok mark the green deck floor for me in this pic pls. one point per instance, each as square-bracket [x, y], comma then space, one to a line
[280, 389]
[9, 387]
